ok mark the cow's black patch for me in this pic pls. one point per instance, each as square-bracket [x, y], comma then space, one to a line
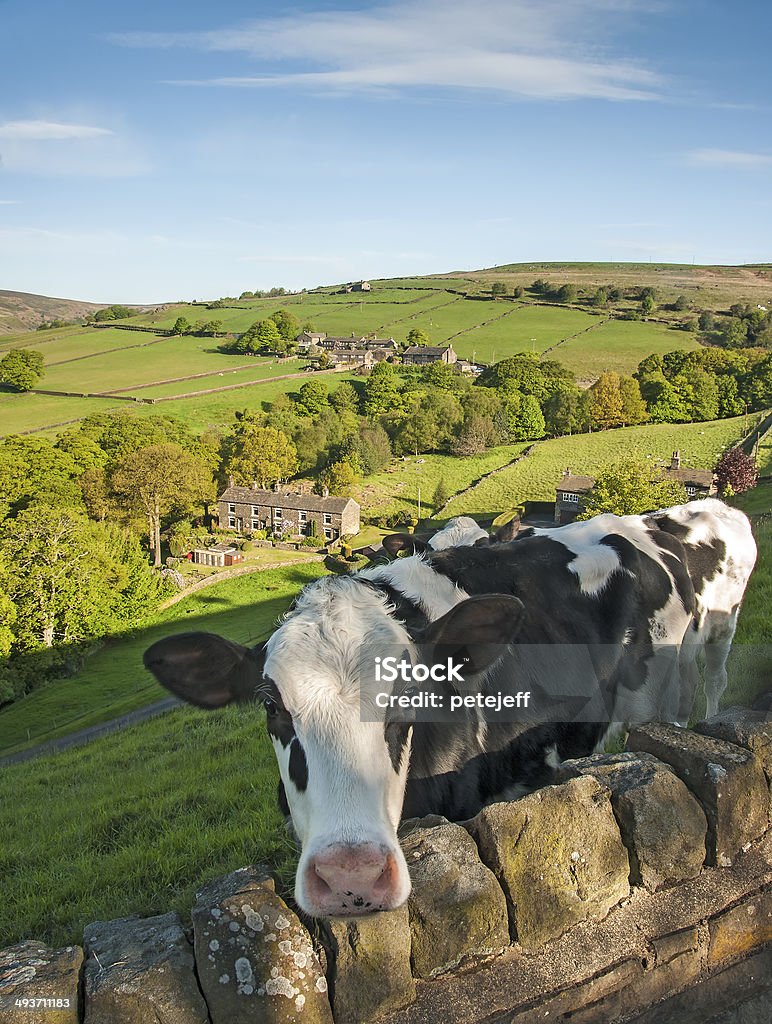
[298, 766]
[279, 725]
[281, 798]
[396, 734]
[703, 560]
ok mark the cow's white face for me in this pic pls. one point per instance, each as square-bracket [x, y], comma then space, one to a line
[343, 776]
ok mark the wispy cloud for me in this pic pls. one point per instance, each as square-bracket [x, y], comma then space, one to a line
[729, 158]
[47, 131]
[9, 202]
[545, 49]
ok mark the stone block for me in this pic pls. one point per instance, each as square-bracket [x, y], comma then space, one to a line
[138, 970]
[558, 856]
[369, 960]
[662, 824]
[255, 960]
[740, 930]
[728, 781]
[457, 908]
[30, 970]
[747, 728]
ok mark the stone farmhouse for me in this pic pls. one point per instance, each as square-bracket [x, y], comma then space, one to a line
[423, 355]
[290, 513]
[571, 488]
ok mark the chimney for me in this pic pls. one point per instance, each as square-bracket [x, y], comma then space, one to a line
[567, 471]
[254, 485]
[325, 492]
[230, 480]
[675, 462]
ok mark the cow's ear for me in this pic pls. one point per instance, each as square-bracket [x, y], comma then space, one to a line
[205, 669]
[476, 631]
[397, 542]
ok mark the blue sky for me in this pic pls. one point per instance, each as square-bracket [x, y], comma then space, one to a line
[174, 150]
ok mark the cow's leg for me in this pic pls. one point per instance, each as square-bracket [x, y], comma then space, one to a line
[689, 675]
[716, 652]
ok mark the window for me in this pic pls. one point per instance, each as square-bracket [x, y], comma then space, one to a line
[256, 524]
[255, 511]
[327, 519]
[302, 516]
[232, 522]
[328, 534]
[278, 513]
[571, 498]
[232, 507]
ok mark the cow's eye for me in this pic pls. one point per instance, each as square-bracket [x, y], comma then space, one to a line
[270, 707]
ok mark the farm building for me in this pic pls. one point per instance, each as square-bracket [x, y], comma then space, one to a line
[570, 491]
[218, 555]
[571, 488]
[290, 513]
[699, 483]
[422, 355]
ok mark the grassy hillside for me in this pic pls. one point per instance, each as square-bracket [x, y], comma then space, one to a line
[587, 341]
[536, 475]
[113, 681]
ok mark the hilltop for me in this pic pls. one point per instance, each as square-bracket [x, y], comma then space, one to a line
[23, 311]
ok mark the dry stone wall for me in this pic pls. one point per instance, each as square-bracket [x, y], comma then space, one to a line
[634, 877]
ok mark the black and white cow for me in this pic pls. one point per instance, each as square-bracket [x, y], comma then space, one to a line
[720, 555]
[617, 588]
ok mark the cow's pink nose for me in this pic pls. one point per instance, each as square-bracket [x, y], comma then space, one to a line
[344, 880]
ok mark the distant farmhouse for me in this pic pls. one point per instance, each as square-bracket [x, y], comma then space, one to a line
[349, 351]
[218, 555]
[247, 509]
[571, 489]
[423, 355]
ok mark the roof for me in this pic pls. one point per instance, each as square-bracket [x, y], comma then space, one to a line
[426, 350]
[575, 484]
[221, 549]
[684, 475]
[282, 499]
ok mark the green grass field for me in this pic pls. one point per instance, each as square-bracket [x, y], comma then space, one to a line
[397, 487]
[535, 476]
[136, 822]
[19, 413]
[619, 345]
[113, 681]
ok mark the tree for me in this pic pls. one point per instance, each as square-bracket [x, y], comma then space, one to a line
[158, 480]
[566, 293]
[477, 434]
[287, 325]
[706, 321]
[631, 487]
[261, 454]
[21, 368]
[340, 478]
[600, 298]
[181, 326]
[441, 494]
[313, 397]
[681, 304]
[518, 291]
[344, 398]
[374, 449]
[633, 405]
[381, 391]
[606, 403]
[737, 471]
[417, 336]
[498, 288]
[70, 578]
[647, 304]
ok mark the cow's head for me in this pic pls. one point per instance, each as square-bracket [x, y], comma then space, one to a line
[344, 776]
